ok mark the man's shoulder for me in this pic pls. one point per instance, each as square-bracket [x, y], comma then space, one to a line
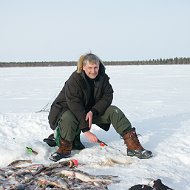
[106, 76]
[75, 77]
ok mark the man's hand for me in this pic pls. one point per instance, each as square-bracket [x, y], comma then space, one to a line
[91, 137]
[89, 117]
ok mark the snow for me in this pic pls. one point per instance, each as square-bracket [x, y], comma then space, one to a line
[154, 98]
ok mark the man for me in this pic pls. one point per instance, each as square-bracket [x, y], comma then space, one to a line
[85, 99]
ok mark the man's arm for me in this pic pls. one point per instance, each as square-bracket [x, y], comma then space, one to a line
[74, 98]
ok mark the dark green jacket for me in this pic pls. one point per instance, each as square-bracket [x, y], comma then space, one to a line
[75, 96]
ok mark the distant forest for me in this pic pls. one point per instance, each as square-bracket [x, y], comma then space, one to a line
[172, 61]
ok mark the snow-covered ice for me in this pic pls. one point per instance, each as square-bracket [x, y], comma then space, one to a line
[156, 99]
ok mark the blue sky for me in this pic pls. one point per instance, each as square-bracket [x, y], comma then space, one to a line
[62, 30]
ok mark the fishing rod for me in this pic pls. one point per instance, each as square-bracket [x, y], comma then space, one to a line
[46, 108]
[103, 144]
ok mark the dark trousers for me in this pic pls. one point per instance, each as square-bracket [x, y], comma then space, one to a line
[68, 123]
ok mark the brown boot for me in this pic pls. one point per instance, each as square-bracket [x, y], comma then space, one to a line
[64, 151]
[134, 148]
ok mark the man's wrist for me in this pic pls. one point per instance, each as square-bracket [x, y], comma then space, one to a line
[85, 129]
[94, 111]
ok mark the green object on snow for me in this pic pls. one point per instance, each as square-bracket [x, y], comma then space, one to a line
[31, 151]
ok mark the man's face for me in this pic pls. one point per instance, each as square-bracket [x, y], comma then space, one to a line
[91, 70]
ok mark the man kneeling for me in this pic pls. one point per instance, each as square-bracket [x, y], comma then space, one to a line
[85, 100]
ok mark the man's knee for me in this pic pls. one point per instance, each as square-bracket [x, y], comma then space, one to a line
[68, 126]
[113, 109]
[67, 118]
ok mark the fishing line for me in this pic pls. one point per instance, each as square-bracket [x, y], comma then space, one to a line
[103, 144]
[45, 108]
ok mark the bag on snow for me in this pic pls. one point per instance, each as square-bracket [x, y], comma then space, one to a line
[158, 185]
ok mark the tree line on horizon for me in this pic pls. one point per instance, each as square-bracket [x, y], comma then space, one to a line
[73, 63]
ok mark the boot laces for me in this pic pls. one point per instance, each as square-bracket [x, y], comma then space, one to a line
[135, 139]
